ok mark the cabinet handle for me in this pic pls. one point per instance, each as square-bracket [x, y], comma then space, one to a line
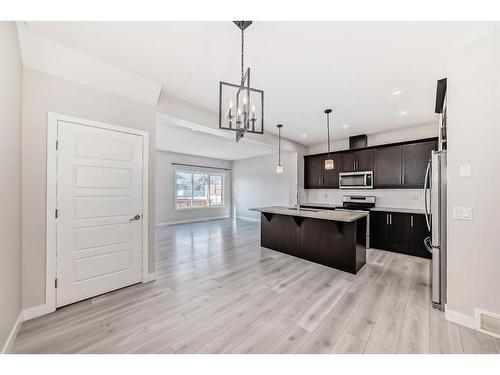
[390, 219]
[387, 219]
[411, 221]
[354, 165]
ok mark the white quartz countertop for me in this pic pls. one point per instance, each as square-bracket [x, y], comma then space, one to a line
[399, 210]
[345, 216]
[322, 205]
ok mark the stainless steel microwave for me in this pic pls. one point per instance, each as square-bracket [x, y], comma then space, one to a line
[356, 180]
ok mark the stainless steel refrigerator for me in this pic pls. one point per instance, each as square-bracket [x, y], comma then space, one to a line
[435, 213]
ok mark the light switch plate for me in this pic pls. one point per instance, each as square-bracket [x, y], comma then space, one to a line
[465, 170]
[462, 213]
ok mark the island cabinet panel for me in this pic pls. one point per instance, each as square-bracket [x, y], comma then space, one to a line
[280, 232]
[399, 232]
[387, 167]
[331, 176]
[313, 174]
[415, 159]
[334, 244]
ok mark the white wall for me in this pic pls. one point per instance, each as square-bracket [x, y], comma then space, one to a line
[398, 135]
[398, 198]
[43, 93]
[256, 184]
[10, 180]
[165, 188]
[473, 137]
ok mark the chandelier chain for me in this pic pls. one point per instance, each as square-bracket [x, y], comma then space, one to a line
[242, 51]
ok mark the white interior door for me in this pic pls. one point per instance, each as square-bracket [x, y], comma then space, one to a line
[99, 192]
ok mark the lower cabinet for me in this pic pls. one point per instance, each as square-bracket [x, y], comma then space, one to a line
[399, 232]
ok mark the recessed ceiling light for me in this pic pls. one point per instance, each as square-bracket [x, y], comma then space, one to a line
[397, 93]
[304, 135]
[345, 126]
[403, 113]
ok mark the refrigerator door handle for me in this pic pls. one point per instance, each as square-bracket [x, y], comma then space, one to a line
[426, 189]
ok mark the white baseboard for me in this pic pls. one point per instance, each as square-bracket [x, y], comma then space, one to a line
[248, 219]
[459, 318]
[36, 311]
[191, 221]
[150, 277]
[13, 334]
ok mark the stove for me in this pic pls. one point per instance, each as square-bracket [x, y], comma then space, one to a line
[359, 203]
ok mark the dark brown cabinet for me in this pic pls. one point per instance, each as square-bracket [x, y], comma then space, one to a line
[415, 158]
[331, 176]
[313, 175]
[396, 166]
[356, 161]
[387, 167]
[399, 232]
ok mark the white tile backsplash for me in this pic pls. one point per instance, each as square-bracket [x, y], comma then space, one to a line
[397, 198]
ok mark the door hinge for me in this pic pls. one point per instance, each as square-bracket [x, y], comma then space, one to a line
[57, 145]
[57, 213]
[55, 283]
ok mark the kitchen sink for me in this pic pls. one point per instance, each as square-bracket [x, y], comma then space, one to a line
[302, 209]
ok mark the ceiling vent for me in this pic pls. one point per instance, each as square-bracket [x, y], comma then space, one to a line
[488, 322]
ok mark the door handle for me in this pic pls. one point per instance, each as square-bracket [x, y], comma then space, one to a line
[136, 217]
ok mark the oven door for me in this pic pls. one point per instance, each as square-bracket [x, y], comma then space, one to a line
[356, 180]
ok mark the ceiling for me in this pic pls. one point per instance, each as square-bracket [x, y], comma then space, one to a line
[192, 139]
[304, 67]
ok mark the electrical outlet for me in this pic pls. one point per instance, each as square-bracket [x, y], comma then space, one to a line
[462, 213]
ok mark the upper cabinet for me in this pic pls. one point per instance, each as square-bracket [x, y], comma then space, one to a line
[315, 174]
[331, 176]
[361, 160]
[415, 157]
[396, 166]
[387, 167]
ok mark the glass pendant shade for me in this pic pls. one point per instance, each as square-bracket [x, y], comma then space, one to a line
[279, 169]
[329, 164]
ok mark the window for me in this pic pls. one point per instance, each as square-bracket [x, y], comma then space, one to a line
[197, 190]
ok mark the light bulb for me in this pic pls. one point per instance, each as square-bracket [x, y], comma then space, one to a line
[279, 169]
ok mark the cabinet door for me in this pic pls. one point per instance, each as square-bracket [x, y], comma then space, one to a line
[364, 160]
[387, 167]
[418, 233]
[348, 161]
[313, 172]
[415, 158]
[399, 240]
[379, 230]
[331, 176]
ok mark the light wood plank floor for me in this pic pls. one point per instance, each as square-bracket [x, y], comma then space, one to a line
[218, 291]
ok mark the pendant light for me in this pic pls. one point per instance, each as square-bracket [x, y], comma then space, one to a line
[279, 167]
[329, 164]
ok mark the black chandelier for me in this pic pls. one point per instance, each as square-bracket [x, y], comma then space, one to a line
[241, 107]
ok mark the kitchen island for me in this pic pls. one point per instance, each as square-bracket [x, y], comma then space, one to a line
[333, 238]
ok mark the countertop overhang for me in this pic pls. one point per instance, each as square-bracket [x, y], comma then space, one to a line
[344, 216]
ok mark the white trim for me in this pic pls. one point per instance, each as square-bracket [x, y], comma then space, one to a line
[459, 318]
[13, 334]
[191, 221]
[39, 310]
[52, 121]
[150, 277]
[477, 314]
[248, 219]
